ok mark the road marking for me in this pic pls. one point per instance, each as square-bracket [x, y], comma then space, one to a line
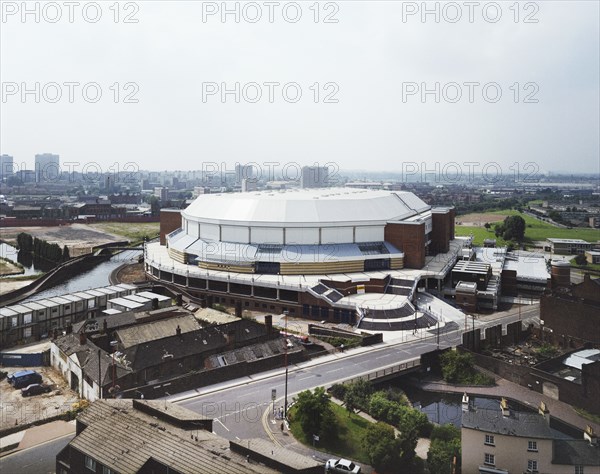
[219, 421]
[304, 378]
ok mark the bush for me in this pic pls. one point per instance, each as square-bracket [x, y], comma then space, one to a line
[458, 367]
[447, 432]
[357, 395]
[338, 391]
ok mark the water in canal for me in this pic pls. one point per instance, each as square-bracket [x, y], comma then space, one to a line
[30, 264]
[94, 278]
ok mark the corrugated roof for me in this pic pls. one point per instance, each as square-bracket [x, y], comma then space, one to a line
[151, 331]
[125, 439]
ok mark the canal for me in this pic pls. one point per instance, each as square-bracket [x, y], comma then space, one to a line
[96, 277]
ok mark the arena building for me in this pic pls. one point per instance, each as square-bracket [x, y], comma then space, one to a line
[328, 254]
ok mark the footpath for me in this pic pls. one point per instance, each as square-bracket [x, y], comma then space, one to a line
[35, 436]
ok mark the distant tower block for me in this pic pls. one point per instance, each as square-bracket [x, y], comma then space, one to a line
[561, 274]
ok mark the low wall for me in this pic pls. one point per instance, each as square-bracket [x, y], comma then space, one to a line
[366, 339]
[213, 376]
[17, 359]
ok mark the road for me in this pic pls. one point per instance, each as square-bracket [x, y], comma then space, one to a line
[40, 459]
[238, 410]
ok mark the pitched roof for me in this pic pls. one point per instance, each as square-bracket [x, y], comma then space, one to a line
[124, 439]
[155, 330]
[531, 425]
[87, 359]
[575, 452]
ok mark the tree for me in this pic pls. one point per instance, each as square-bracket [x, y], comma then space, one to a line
[513, 228]
[66, 254]
[154, 206]
[581, 260]
[314, 414]
[442, 455]
[444, 448]
[456, 365]
[487, 225]
[357, 395]
[385, 450]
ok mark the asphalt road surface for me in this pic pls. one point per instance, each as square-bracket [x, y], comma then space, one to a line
[237, 410]
[40, 459]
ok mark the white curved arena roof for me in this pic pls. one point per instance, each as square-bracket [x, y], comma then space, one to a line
[304, 206]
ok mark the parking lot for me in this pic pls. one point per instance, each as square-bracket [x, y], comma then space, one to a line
[18, 410]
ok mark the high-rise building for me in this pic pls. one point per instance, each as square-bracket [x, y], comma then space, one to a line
[248, 185]
[314, 177]
[47, 167]
[6, 166]
[243, 172]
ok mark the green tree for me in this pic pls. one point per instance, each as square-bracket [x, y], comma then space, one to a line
[581, 260]
[456, 366]
[314, 413]
[442, 455]
[513, 228]
[357, 395]
[385, 450]
[154, 205]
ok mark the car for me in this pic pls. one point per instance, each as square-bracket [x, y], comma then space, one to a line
[23, 378]
[35, 389]
[341, 465]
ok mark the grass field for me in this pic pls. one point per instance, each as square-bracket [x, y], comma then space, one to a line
[535, 230]
[132, 231]
[351, 430]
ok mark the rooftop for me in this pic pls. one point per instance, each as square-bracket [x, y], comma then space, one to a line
[524, 424]
[326, 205]
[109, 439]
[567, 241]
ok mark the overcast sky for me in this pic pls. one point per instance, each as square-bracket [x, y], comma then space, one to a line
[374, 116]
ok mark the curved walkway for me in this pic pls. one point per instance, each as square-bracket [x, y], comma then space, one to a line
[504, 388]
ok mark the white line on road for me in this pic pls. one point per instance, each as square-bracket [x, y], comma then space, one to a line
[219, 421]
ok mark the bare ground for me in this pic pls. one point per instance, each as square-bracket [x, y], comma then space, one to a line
[478, 219]
[18, 410]
[132, 273]
[78, 237]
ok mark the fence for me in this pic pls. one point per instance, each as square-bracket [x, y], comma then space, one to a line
[16, 359]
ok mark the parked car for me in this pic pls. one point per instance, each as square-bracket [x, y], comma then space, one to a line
[23, 378]
[341, 465]
[35, 389]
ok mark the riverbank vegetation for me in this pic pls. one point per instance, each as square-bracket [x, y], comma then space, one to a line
[459, 368]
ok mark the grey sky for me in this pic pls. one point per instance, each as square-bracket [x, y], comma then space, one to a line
[369, 54]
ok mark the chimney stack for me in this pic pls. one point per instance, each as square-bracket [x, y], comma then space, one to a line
[590, 436]
[504, 407]
[179, 299]
[269, 323]
[154, 303]
[231, 339]
[543, 410]
[105, 326]
[178, 331]
[82, 338]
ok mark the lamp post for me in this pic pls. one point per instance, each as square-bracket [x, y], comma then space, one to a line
[285, 400]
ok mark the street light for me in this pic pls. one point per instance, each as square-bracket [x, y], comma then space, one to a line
[285, 402]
